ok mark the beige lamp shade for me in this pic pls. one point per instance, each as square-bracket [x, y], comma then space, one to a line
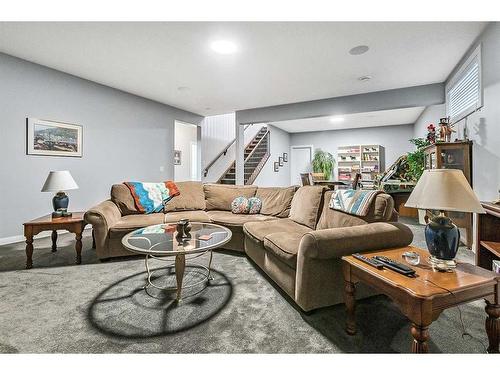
[59, 181]
[445, 190]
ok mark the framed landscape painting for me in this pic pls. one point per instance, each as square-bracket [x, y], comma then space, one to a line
[52, 138]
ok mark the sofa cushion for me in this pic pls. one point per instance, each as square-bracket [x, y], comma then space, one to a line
[254, 205]
[306, 205]
[220, 197]
[259, 230]
[284, 246]
[191, 197]
[239, 205]
[230, 219]
[276, 201]
[131, 222]
[381, 210]
[122, 197]
[196, 216]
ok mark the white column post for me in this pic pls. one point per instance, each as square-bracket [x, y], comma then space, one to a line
[240, 152]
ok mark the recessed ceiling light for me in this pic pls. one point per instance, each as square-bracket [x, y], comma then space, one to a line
[364, 78]
[183, 88]
[359, 50]
[337, 119]
[224, 47]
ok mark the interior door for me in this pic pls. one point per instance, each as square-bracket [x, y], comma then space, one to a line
[300, 162]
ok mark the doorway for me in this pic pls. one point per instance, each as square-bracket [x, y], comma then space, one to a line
[300, 162]
[187, 158]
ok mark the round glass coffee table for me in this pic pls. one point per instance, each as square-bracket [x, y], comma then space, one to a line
[159, 242]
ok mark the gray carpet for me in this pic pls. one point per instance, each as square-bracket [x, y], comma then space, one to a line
[100, 307]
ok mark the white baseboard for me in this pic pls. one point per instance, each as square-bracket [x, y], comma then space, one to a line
[21, 238]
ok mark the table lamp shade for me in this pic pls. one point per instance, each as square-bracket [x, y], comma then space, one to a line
[59, 181]
[444, 190]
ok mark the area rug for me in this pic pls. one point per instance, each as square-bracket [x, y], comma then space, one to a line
[102, 307]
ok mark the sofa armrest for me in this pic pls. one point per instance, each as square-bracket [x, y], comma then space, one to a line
[103, 216]
[337, 242]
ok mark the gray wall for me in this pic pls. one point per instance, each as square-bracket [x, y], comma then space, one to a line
[430, 115]
[393, 138]
[125, 137]
[484, 125]
[279, 143]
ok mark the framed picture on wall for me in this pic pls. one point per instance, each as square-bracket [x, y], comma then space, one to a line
[285, 157]
[177, 157]
[280, 161]
[276, 166]
[51, 138]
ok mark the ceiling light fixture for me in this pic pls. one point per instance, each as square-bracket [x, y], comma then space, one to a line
[337, 119]
[364, 78]
[224, 47]
[358, 50]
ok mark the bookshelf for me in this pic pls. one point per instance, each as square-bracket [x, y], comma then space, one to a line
[369, 160]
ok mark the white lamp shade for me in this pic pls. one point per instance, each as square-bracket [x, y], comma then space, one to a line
[444, 190]
[59, 181]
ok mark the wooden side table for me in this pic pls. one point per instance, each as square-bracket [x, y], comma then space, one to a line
[423, 298]
[74, 224]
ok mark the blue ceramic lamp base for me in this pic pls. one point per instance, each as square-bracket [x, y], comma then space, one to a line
[442, 238]
[60, 202]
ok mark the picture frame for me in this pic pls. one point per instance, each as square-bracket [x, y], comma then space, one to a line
[177, 157]
[53, 138]
[280, 161]
[276, 166]
[285, 157]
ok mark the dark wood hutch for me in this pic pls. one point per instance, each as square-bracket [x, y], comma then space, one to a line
[454, 155]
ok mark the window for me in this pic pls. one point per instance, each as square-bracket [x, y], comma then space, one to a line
[464, 91]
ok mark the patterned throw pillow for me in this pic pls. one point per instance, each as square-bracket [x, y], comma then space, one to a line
[239, 205]
[254, 205]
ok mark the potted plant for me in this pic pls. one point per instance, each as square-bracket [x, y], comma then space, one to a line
[322, 163]
[416, 166]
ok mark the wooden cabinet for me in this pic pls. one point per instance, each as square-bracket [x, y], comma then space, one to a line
[488, 235]
[454, 155]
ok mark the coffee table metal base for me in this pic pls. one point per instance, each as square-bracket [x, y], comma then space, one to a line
[179, 266]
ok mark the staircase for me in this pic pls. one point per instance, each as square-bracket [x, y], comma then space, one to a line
[256, 155]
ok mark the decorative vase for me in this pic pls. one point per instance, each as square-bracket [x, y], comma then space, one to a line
[183, 229]
[442, 238]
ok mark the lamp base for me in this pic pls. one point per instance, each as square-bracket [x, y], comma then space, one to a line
[442, 264]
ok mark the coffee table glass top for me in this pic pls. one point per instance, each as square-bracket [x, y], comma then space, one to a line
[160, 239]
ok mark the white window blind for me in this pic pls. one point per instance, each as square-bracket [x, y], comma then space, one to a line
[464, 92]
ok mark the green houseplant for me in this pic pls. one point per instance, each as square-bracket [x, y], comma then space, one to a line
[323, 162]
[415, 159]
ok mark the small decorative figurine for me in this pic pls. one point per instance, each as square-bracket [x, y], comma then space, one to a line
[445, 130]
[183, 229]
[431, 134]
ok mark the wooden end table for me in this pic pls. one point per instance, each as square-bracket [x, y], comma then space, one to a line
[423, 298]
[74, 224]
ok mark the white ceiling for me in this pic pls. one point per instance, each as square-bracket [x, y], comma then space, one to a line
[356, 120]
[276, 63]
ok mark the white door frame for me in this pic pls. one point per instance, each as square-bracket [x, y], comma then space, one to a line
[198, 140]
[311, 149]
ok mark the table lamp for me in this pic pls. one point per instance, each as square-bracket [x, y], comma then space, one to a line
[59, 181]
[443, 190]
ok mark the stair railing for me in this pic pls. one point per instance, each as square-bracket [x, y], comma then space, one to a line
[223, 152]
[262, 161]
[233, 164]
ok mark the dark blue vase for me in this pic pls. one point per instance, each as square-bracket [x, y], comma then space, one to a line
[442, 238]
[60, 201]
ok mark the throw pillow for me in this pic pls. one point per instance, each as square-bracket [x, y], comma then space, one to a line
[239, 205]
[254, 205]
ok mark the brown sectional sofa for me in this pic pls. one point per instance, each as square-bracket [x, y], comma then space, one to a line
[296, 239]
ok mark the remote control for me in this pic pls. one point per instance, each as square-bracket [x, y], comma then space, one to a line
[395, 266]
[372, 262]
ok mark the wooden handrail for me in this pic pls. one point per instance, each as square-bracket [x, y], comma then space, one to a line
[223, 152]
